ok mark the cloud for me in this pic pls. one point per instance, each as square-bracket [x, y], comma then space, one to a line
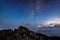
[39, 25]
[54, 22]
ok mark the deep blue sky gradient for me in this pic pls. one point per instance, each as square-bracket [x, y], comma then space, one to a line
[20, 11]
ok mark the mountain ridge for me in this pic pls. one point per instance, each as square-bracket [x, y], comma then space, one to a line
[23, 33]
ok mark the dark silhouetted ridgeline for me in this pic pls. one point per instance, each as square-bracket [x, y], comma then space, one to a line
[22, 33]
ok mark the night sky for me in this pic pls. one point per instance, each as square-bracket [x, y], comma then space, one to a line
[27, 11]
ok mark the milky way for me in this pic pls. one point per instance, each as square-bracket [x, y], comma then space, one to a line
[28, 11]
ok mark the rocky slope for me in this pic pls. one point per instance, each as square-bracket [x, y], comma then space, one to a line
[22, 33]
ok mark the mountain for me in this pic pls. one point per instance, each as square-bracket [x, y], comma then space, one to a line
[23, 33]
[55, 31]
[47, 30]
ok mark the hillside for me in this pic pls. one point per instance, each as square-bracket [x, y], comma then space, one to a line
[22, 33]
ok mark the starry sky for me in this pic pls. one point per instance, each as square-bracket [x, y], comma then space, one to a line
[28, 11]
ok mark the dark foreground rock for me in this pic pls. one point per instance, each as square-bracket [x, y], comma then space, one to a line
[22, 33]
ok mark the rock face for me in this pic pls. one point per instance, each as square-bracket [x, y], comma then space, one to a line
[22, 33]
[26, 34]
